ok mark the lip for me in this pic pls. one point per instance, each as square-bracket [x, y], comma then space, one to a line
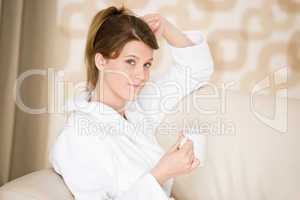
[135, 85]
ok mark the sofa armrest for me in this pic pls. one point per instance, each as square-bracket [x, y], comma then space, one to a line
[44, 184]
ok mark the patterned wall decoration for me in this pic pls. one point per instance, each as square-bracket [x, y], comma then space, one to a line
[249, 40]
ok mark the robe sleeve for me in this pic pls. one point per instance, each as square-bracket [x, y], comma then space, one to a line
[86, 166]
[146, 188]
[191, 68]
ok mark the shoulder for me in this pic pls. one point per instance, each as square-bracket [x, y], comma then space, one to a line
[85, 129]
[82, 139]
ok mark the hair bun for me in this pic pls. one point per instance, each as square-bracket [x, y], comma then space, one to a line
[113, 11]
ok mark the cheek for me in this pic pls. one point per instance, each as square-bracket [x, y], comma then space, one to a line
[117, 80]
[116, 73]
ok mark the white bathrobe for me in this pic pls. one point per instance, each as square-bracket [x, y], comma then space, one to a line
[101, 155]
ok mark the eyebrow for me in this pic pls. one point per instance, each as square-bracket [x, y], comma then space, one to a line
[132, 55]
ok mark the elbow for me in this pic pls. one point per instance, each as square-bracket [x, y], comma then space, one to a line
[204, 72]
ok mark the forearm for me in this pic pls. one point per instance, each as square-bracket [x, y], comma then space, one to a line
[176, 37]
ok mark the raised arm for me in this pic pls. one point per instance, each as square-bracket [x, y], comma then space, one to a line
[191, 68]
[163, 28]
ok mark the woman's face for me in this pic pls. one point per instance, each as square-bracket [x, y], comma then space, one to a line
[126, 75]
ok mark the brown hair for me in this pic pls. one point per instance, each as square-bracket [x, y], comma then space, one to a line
[110, 30]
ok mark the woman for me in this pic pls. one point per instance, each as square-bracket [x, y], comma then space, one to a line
[107, 148]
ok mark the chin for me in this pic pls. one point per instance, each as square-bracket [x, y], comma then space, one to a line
[133, 93]
[129, 96]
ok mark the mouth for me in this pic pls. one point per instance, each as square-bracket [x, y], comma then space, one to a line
[135, 86]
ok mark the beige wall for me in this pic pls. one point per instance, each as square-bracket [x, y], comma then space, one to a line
[249, 40]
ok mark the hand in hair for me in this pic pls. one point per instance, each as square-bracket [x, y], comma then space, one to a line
[156, 22]
[162, 27]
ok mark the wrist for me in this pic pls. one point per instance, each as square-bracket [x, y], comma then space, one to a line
[159, 176]
[176, 37]
[168, 29]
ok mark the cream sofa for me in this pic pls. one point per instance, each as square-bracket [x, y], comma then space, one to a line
[255, 161]
[39, 185]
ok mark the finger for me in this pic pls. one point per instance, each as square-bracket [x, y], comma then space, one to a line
[150, 17]
[150, 20]
[156, 24]
[191, 152]
[176, 146]
[180, 135]
[195, 164]
[182, 141]
[191, 156]
[153, 25]
[188, 145]
[191, 147]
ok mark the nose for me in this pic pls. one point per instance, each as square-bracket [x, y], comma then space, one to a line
[139, 73]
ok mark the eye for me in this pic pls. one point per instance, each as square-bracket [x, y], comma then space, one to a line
[147, 65]
[131, 61]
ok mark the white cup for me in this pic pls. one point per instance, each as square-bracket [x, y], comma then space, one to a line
[199, 144]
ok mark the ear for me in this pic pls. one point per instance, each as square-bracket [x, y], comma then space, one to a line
[100, 61]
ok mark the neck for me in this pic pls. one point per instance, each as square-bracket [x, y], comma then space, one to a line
[105, 95]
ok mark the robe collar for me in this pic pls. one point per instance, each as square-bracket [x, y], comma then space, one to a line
[102, 111]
